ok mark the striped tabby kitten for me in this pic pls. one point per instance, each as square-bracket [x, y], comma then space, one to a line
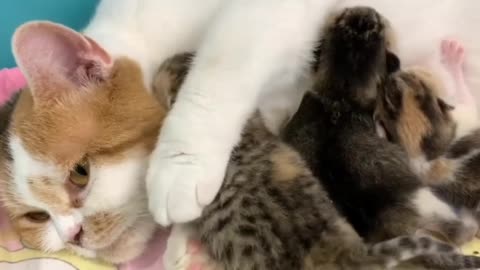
[272, 213]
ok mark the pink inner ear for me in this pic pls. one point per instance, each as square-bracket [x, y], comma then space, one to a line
[51, 52]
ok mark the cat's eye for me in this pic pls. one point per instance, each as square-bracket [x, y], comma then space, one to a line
[445, 107]
[80, 174]
[81, 169]
[38, 216]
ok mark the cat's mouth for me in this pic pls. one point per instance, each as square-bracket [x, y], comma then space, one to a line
[77, 239]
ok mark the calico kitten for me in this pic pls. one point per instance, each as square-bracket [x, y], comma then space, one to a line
[411, 113]
[368, 178]
[271, 212]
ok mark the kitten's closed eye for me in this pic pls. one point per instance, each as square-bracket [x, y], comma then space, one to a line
[38, 216]
[80, 175]
[445, 107]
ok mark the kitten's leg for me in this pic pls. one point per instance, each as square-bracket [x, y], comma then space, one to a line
[176, 254]
[185, 253]
[453, 59]
[248, 48]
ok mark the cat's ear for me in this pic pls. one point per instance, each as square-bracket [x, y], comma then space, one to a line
[393, 62]
[56, 58]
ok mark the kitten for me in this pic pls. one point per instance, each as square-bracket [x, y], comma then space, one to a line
[271, 213]
[411, 112]
[253, 39]
[368, 178]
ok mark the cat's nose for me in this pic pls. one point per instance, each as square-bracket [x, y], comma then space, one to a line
[74, 234]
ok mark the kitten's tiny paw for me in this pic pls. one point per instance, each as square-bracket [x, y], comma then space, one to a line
[452, 54]
[176, 255]
[185, 253]
[181, 184]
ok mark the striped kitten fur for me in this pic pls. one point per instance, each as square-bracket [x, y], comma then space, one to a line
[272, 213]
[368, 178]
[411, 112]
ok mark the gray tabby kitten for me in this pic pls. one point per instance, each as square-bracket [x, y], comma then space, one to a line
[272, 213]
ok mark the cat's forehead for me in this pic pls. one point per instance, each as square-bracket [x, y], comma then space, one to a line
[415, 114]
[113, 124]
[109, 117]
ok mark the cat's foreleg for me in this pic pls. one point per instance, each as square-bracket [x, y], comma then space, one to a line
[251, 46]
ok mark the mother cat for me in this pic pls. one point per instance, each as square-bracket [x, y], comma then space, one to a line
[240, 47]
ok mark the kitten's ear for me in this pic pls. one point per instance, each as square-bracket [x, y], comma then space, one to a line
[444, 106]
[55, 58]
[393, 62]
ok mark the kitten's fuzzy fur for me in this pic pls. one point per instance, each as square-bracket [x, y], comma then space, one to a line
[411, 113]
[233, 37]
[271, 212]
[71, 80]
[207, 106]
[367, 177]
[409, 106]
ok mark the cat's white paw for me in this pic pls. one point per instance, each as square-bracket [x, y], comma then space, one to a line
[183, 177]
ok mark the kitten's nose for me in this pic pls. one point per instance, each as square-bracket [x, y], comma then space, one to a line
[74, 234]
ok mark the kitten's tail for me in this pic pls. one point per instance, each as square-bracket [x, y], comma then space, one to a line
[432, 253]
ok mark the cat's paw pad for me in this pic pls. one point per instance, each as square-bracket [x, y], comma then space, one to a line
[452, 54]
[180, 185]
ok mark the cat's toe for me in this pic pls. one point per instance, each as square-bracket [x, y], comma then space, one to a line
[179, 186]
[171, 188]
[453, 53]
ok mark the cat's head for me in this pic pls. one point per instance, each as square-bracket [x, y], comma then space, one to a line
[354, 55]
[410, 112]
[77, 146]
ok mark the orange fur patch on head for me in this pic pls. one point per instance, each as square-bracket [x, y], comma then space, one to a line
[413, 125]
[424, 127]
[100, 123]
[106, 118]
